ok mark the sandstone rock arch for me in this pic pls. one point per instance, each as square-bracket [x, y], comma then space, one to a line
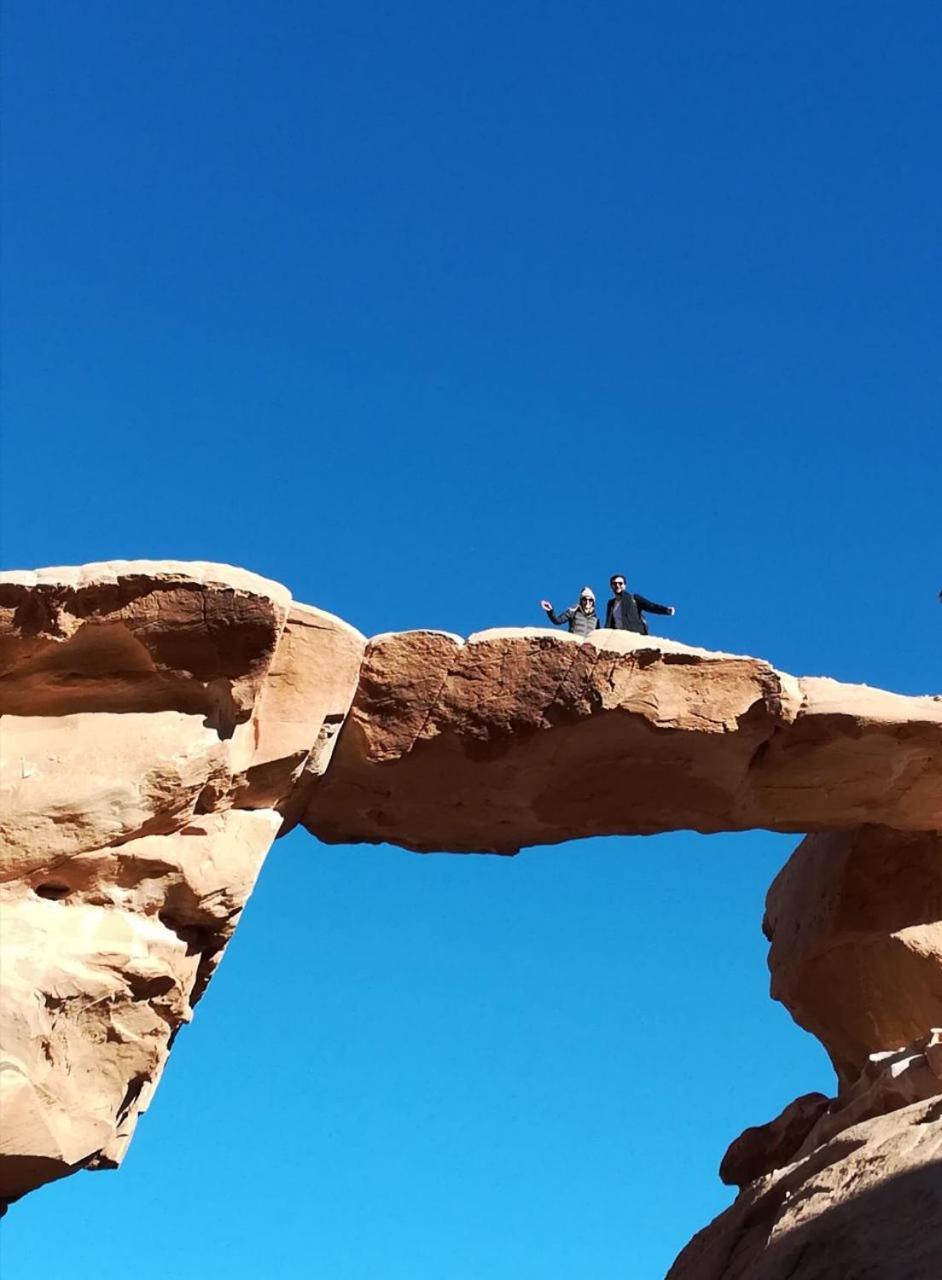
[162, 723]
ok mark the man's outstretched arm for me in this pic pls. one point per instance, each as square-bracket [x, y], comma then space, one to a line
[650, 607]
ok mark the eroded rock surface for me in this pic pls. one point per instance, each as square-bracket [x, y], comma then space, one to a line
[160, 723]
[888, 1081]
[764, 1147]
[104, 955]
[866, 1203]
[850, 1185]
[837, 1188]
[528, 737]
[855, 924]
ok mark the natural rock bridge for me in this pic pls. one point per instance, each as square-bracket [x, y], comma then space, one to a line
[164, 722]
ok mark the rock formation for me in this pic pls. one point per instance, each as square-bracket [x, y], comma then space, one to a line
[855, 925]
[531, 737]
[159, 722]
[866, 1202]
[851, 1185]
[162, 723]
[837, 1187]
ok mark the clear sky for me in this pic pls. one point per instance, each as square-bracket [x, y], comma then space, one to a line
[429, 310]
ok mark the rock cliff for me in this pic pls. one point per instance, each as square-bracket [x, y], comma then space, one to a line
[162, 723]
[159, 724]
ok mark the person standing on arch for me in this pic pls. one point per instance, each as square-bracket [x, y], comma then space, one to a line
[625, 611]
[581, 618]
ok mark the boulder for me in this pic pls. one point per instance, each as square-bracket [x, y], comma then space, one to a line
[763, 1147]
[855, 924]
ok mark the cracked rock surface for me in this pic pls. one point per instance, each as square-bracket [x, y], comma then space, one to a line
[528, 737]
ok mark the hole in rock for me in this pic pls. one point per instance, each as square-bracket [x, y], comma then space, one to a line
[556, 1007]
[198, 937]
[52, 891]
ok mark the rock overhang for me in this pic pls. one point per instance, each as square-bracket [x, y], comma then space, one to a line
[159, 720]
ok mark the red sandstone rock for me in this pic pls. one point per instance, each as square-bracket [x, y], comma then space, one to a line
[859, 1194]
[888, 1082]
[158, 722]
[855, 923]
[528, 737]
[138, 635]
[161, 722]
[104, 954]
[866, 1203]
[764, 1147]
[301, 708]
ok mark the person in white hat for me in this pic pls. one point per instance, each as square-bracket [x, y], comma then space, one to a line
[581, 618]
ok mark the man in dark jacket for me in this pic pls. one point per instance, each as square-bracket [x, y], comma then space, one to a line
[624, 610]
[581, 619]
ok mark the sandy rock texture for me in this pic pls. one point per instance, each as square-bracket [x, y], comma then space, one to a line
[529, 737]
[837, 1188]
[855, 924]
[852, 1185]
[866, 1203]
[105, 954]
[888, 1081]
[162, 723]
[159, 724]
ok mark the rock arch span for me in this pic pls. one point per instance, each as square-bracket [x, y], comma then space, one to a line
[162, 723]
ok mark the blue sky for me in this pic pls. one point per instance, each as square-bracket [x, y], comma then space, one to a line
[429, 311]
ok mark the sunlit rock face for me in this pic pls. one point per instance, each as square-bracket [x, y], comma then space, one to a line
[104, 955]
[855, 924]
[160, 722]
[851, 1185]
[887, 1082]
[526, 737]
[837, 1187]
[867, 1202]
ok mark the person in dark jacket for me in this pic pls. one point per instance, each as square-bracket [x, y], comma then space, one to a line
[581, 619]
[624, 612]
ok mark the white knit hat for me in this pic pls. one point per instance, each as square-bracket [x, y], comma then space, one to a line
[587, 591]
